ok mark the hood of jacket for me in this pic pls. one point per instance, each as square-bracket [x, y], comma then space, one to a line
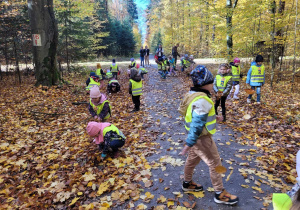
[134, 75]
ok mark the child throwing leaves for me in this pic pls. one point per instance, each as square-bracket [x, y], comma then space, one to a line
[236, 75]
[200, 121]
[107, 136]
[135, 88]
[99, 106]
[222, 87]
[256, 77]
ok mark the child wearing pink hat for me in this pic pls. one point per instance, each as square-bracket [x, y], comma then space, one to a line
[107, 136]
[99, 106]
[236, 75]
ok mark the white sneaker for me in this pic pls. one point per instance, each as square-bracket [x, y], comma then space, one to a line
[248, 101]
[235, 97]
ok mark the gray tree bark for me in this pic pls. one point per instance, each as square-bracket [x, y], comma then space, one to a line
[42, 21]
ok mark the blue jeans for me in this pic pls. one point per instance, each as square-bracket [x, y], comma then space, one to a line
[142, 61]
[163, 74]
[257, 92]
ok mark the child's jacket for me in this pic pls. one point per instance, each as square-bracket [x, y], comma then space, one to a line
[199, 112]
[102, 109]
[256, 75]
[223, 82]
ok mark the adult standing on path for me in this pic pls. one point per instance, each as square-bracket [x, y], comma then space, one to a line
[142, 55]
[175, 53]
[147, 52]
[160, 53]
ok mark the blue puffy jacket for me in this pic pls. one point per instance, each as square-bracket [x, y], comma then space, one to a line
[248, 81]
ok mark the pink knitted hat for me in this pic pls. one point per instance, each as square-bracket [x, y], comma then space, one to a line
[236, 60]
[93, 128]
[95, 92]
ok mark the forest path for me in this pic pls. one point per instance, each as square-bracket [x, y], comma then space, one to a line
[161, 99]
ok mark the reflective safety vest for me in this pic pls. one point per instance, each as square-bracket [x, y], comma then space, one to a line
[109, 75]
[211, 119]
[114, 68]
[92, 83]
[144, 71]
[281, 201]
[99, 108]
[133, 63]
[236, 71]
[257, 74]
[186, 63]
[98, 73]
[115, 129]
[113, 81]
[136, 87]
[222, 82]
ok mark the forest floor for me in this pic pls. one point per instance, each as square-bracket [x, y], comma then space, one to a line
[48, 161]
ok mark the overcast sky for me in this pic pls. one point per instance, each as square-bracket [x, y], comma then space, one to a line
[141, 6]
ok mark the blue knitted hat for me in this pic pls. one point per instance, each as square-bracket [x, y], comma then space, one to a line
[202, 76]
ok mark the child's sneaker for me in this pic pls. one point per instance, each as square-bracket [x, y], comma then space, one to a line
[226, 198]
[248, 100]
[191, 186]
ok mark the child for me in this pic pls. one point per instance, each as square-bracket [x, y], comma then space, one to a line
[107, 136]
[113, 86]
[94, 80]
[172, 66]
[283, 201]
[99, 106]
[100, 73]
[236, 75]
[256, 77]
[222, 85]
[185, 62]
[200, 119]
[132, 64]
[135, 88]
[142, 71]
[114, 69]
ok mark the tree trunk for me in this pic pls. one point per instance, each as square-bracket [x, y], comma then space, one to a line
[229, 29]
[273, 60]
[6, 53]
[295, 42]
[42, 21]
[17, 60]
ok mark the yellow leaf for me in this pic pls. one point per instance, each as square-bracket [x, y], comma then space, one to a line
[73, 201]
[199, 194]
[228, 177]
[210, 189]
[220, 169]
[102, 188]
[90, 206]
[90, 184]
[79, 193]
[245, 186]
[170, 203]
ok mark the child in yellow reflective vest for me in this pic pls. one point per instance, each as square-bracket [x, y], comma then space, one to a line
[100, 73]
[114, 69]
[236, 75]
[200, 120]
[113, 86]
[222, 87]
[256, 77]
[99, 106]
[107, 136]
[135, 88]
[291, 199]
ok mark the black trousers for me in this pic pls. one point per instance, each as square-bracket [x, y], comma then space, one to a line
[137, 102]
[175, 57]
[223, 100]
[115, 74]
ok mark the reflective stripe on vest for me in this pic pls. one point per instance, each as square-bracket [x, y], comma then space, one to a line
[257, 73]
[109, 75]
[99, 108]
[92, 83]
[133, 63]
[114, 68]
[236, 71]
[222, 82]
[115, 129]
[113, 81]
[136, 87]
[211, 119]
[98, 73]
